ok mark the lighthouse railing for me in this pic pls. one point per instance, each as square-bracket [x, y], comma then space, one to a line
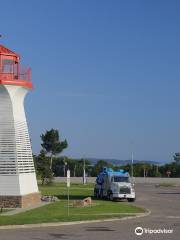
[23, 74]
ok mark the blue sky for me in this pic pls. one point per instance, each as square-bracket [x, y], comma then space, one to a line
[106, 73]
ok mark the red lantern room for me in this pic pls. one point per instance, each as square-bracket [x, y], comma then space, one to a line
[11, 72]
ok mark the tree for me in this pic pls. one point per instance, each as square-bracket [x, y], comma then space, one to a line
[177, 158]
[145, 168]
[52, 144]
[99, 166]
[58, 166]
[43, 167]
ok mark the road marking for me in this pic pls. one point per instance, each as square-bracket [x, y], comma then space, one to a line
[173, 216]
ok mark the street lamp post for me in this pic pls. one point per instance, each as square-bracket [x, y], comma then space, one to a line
[84, 171]
[65, 164]
[132, 162]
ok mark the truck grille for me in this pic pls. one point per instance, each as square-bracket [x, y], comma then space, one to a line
[125, 190]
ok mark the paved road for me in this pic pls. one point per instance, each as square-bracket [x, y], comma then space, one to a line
[164, 204]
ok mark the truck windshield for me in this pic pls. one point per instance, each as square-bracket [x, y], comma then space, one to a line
[120, 179]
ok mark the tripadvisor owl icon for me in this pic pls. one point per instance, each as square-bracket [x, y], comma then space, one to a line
[139, 231]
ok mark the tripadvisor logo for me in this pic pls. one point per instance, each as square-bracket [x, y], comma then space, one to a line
[139, 231]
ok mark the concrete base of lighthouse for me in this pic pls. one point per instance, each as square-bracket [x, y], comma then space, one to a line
[20, 201]
[19, 191]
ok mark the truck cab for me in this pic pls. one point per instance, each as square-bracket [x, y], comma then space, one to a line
[114, 185]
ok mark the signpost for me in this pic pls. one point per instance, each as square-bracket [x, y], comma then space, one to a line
[68, 186]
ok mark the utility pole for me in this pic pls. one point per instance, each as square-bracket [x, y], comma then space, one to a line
[65, 163]
[132, 162]
[84, 171]
[74, 170]
[157, 170]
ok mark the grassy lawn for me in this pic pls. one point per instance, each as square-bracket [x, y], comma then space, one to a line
[77, 191]
[57, 212]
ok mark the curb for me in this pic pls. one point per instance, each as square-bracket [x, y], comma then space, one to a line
[57, 224]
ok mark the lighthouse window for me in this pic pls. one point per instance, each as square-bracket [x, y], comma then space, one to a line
[8, 66]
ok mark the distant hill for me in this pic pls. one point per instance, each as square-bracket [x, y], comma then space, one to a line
[120, 162]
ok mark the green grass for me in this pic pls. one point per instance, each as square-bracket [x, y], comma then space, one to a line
[57, 212]
[77, 191]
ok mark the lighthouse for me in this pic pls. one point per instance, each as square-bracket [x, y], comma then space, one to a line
[18, 184]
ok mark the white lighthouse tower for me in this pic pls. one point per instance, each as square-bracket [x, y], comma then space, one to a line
[18, 184]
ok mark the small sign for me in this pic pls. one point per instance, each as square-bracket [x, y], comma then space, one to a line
[68, 178]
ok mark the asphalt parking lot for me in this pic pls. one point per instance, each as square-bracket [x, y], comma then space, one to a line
[163, 202]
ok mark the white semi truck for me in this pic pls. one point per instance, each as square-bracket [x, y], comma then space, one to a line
[114, 185]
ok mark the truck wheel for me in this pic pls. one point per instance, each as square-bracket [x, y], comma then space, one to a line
[131, 199]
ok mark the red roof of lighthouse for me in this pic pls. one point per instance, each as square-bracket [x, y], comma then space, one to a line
[11, 72]
[6, 51]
